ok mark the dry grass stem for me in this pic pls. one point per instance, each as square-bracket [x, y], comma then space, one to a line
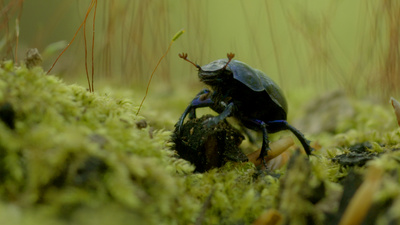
[277, 148]
[362, 199]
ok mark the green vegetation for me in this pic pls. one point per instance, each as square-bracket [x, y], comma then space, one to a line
[71, 156]
[74, 154]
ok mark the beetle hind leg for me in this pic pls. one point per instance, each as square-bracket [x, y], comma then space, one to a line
[265, 144]
[302, 139]
[260, 125]
[284, 125]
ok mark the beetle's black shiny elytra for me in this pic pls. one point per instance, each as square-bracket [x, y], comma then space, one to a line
[246, 94]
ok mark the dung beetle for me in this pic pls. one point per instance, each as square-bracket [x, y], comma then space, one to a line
[244, 93]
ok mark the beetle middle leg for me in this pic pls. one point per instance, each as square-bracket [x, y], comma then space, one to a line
[255, 124]
[223, 115]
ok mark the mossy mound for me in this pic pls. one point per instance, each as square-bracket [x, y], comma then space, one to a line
[68, 156]
[75, 156]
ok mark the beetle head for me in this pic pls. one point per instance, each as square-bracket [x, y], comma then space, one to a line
[214, 72]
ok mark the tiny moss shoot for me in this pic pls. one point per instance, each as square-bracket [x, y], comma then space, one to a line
[176, 36]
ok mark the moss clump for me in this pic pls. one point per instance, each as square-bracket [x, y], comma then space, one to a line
[72, 154]
[237, 194]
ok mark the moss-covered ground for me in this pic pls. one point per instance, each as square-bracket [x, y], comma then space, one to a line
[68, 156]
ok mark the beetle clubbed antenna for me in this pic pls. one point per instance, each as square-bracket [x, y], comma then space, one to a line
[184, 56]
[230, 57]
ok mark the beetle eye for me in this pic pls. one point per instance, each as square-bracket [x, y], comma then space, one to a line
[230, 57]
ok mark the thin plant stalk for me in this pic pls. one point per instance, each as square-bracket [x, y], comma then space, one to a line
[176, 36]
[93, 3]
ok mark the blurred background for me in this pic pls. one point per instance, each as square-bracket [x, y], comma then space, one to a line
[307, 46]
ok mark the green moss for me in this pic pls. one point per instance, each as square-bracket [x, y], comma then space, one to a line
[236, 193]
[79, 151]
[74, 157]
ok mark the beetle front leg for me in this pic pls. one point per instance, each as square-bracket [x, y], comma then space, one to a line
[201, 100]
[202, 95]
